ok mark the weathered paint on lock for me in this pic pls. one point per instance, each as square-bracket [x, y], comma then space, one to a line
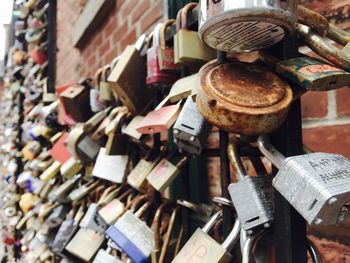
[245, 25]
[242, 98]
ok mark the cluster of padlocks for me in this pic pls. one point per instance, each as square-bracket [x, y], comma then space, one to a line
[86, 173]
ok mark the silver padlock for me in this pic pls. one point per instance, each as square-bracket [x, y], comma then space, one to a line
[191, 129]
[104, 256]
[317, 185]
[251, 196]
[202, 248]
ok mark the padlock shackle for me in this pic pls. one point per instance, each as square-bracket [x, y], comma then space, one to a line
[98, 78]
[270, 151]
[222, 201]
[233, 237]
[106, 71]
[323, 48]
[141, 41]
[247, 255]
[338, 35]
[210, 224]
[314, 253]
[185, 12]
[313, 19]
[162, 33]
[235, 160]
[157, 222]
[178, 20]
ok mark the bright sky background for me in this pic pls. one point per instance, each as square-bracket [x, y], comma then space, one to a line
[5, 18]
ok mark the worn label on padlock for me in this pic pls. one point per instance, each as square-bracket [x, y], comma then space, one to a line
[138, 175]
[111, 211]
[162, 175]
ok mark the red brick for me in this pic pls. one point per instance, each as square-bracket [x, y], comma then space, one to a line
[140, 10]
[332, 139]
[314, 105]
[129, 38]
[119, 32]
[128, 7]
[104, 48]
[110, 26]
[343, 99]
[152, 16]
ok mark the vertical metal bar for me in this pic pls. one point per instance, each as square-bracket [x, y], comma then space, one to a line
[289, 225]
[224, 169]
[51, 50]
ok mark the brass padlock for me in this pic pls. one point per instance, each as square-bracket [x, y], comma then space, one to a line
[188, 48]
[96, 102]
[183, 87]
[106, 93]
[164, 173]
[242, 98]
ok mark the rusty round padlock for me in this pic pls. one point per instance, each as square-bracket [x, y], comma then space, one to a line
[244, 25]
[242, 98]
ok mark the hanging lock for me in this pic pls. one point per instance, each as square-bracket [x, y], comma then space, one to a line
[164, 173]
[71, 168]
[188, 48]
[132, 234]
[191, 129]
[245, 25]
[317, 185]
[131, 90]
[60, 193]
[183, 87]
[309, 73]
[160, 119]
[155, 76]
[203, 248]
[80, 192]
[339, 57]
[131, 129]
[96, 103]
[106, 93]
[242, 98]
[105, 256]
[100, 130]
[251, 195]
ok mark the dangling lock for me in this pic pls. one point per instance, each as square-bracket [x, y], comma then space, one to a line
[188, 48]
[106, 93]
[242, 98]
[51, 171]
[339, 57]
[104, 256]
[38, 54]
[160, 119]
[79, 193]
[71, 168]
[156, 77]
[96, 102]
[317, 185]
[60, 193]
[191, 130]
[131, 234]
[251, 196]
[203, 248]
[245, 25]
[164, 173]
[183, 87]
[309, 73]
[131, 128]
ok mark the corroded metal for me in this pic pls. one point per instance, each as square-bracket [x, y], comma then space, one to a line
[242, 98]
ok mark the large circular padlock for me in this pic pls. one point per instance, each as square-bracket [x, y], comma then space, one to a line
[242, 98]
[244, 25]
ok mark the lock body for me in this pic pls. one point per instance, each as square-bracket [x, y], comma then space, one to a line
[191, 128]
[245, 25]
[138, 176]
[93, 220]
[111, 211]
[252, 199]
[317, 185]
[133, 236]
[162, 175]
[104, 257]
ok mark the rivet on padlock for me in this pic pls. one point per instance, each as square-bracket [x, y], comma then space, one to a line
[317, 185]
[251, 196]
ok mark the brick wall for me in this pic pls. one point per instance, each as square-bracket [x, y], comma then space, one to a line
[326, 115]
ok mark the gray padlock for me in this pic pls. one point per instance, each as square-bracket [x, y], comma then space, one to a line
[57, 216]
[317, 185]
[251, 196]
[191, 128]
[202, 248]
[93, 220]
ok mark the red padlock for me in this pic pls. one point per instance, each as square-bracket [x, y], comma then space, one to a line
[156, 77]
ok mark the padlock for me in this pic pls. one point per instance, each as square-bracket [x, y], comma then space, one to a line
[132, 234]
[203, 248]
[111, 211]
[80, 192]
[339, 57]
[309, 73]
[245, 26]
[44, 193]
[156, 77]
[104, 256]
[51, 171]
[106, 93]
[183, 87]
[317, 185]
[60, 193]
[160, 119]
[93, 220]
[57, 216]
[67, 230]
[164, 173]
[131, 90]
[251, 195]
[191, 128]
[188, 48]
[130, 128]
[100, 130]
[225, 101]
[31, 150]
[165, 52]
[76, 102]
[38, 53]
[110, 167]
[96, 102]
[59, 150]
[71, 168]
[137, 178]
